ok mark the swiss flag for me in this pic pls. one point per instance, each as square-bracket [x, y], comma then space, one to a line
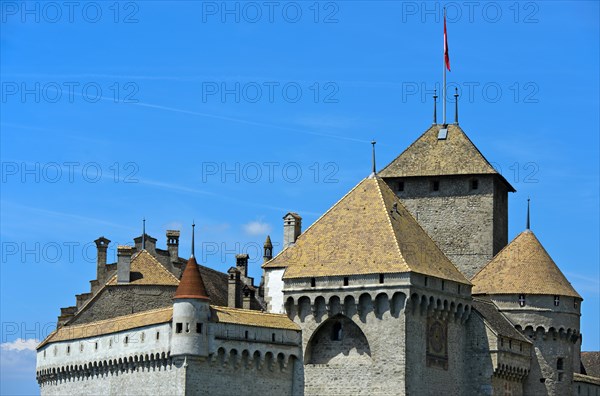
[446, 55]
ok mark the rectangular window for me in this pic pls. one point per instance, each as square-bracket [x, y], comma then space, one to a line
[313, 282]
[381, 278]
[435, 185]
[246, 334]
[474, 184]
[426, 280]
[501, 342]
[509, 344]
[401, 186]
[199, 328]
[443, 284]
[273, 337]
[560, 364]
[178, 327]
[44, 353]
[345, 281]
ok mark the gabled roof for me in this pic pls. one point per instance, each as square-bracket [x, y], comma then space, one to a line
[146, 270]
[430, 156]
[191, 284]
[368, 231]
[251, 318]
[522, 267]
[496, 320]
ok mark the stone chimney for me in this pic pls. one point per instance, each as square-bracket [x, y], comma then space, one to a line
[173, 244]
[124, 254]
[248, 296]
[149, 242]
[233, 288]
[241, 263]
[292, 227]
[102, 246]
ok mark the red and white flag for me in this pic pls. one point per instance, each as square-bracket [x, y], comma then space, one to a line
[446, 55]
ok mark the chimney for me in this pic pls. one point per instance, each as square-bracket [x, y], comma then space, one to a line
[292, 227]
[173, 244]
[102, 246]
[248, 296]
[124, 254]
[241, 263]
[233, 288]
[149, 244]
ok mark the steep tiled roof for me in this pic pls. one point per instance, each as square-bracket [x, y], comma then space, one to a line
[523, 266]
[368, 231]
[430, 156]
[119, 323]
[191, 284]
[252, 318]
[499, 323]
[591, 363]
[146, 270]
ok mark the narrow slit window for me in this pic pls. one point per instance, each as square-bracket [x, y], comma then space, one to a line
[381, 278]
[246, 334]
[126, 340]
[187, 327]
[273, 337]
[521, 300]
[345, 281]
[157, 335]
[96, 346]
[313, 282]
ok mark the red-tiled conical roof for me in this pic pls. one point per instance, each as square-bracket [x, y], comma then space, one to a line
[191, 284]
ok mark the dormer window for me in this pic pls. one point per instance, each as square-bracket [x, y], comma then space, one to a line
[521, 300]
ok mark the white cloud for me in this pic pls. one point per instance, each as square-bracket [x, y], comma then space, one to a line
[20, 345]
[256, 228]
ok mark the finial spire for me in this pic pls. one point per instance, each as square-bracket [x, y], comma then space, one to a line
[143, 233]
[435, 106]
[373, 142]
[455, 105]
[193, 237]
[528, 225]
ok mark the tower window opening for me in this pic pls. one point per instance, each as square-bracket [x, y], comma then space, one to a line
[474, 184]
[68, 349]
[400, 186]
[272, 337]
[336, 334]
[199, 328]
[556, 301]
[187, 327]
[96, 346]
[575, 304]
[313, 282]
[435, 185]
[521, 300]
[381, 278]
[157, 335]
[126, 340]
[246, 334]
[178, 327]
[560, 364]
[345, 281]
[426, 280]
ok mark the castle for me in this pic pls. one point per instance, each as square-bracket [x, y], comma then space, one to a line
[408, 285]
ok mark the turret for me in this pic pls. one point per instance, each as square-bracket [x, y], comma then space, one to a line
[532, 292]
[191, 312]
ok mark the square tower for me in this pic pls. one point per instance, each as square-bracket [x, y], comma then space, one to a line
[455, 194]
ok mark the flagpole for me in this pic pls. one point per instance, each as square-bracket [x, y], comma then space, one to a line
[444, 78]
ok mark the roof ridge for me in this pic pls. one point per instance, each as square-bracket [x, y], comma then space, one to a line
[315, 222]
[132, 315]
[389, 220]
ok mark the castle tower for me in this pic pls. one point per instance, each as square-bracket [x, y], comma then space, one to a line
[530, 290]
[191, 313]
[455, 194]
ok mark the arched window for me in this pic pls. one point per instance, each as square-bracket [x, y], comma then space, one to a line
[336, 332]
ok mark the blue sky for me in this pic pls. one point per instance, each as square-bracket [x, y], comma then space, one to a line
[234, 114]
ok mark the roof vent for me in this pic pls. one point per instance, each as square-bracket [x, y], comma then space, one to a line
[443, 134]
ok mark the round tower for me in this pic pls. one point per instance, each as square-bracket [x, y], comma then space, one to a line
[191, 312]
[530, 290]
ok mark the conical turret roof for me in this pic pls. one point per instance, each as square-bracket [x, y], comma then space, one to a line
[522, 267]
[191, 284]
